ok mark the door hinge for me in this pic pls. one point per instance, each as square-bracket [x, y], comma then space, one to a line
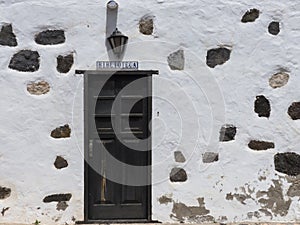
[91, 148]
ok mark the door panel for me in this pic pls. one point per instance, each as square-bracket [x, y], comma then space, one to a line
[114, 123]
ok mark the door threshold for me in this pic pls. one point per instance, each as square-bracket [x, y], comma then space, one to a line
[116, 221]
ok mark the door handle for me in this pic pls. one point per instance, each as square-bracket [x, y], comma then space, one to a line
[91, 148]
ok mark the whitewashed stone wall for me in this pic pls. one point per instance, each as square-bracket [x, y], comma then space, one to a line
[226, 106]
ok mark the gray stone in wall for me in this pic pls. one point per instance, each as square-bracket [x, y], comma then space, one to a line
[50, 37]
[64, 63]
[179, 157]
[210, 157]
[294, 110]
[25, 61]
[262, 106]
[57, 198]
[217, 56]
[178, 175]
[38, 88]
[7, 37]
[288, 163]
[60, 163]
[274, 28]
[146, 25]
[260, 145]
[250, 16]
[176, 60]
[61, 132]
[4, 192]
[279, 80]
[227, 133]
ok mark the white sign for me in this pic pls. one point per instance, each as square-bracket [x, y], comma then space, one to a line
[117, 65]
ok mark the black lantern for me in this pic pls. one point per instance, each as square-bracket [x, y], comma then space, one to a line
[117, 41]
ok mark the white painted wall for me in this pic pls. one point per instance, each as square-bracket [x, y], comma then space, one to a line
[196, 102]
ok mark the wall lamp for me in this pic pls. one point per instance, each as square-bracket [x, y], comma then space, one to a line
[112, 5]
[117, 42]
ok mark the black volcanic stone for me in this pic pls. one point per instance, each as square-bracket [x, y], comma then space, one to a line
[60, 162]
[61, 132]
[50, 37]
[274, 28]
[7, 37]
[4, 192]
[25, 61]
[294, 110]
[57, 198]
[217, 56]
[262, 106]
[178, 175]
[288, 163]
[227, 133]
[64, 63]
[250, 16]
[260, 145]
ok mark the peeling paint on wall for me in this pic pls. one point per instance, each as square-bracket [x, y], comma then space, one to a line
[195, 214]
[273, 201]
[165, 200]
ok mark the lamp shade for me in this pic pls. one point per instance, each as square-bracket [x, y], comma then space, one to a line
[117, 42]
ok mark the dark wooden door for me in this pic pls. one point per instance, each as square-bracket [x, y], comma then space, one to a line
[118, 146]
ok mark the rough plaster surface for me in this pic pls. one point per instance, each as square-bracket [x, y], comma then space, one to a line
[196, 103]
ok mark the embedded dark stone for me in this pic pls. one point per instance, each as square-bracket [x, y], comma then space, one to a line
[217, 56]
[262, 106]
[294, 111]
[25, 61]
[176, 60]
[250, 16]
[61, 206]
[50, 37]
[61, 132]
[260, 145]
[288, 163]
[146, 25]
[7, 37]
[210, 157]
[60, 162]
[57, 198]
[64, 63]
[179, 157]
[4, 192]
[178, 175]
[227, 132]
[274, 28]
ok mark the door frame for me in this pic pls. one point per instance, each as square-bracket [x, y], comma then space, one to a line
[86, 136]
